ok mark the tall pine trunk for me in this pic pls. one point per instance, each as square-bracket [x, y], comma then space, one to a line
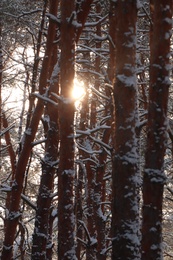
[66, 220]
[154, 177]
[125, 205]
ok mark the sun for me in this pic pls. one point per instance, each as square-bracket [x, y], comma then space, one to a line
[78, 90]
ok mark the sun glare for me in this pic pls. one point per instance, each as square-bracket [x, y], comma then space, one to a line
[78, 89]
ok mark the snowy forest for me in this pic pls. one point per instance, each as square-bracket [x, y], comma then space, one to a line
[86, 130]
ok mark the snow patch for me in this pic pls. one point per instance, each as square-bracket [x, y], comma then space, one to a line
[128, 81]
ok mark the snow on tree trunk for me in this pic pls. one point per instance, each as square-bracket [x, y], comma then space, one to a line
[154, 177]
[66, 220]
[43, 212]
[26, 145]
[125, 182]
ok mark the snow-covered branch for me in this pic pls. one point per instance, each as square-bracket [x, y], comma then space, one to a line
[53, 18]
[7, 129]
[93, 50]
[88, 132]
[93, 24]
[63, 99]
[44, 98]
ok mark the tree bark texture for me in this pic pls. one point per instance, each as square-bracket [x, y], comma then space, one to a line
[43, 212]
[125, 179]
[154, 178]
[66, 221]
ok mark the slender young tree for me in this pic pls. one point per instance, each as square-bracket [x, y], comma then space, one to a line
[154, 177]
[99, 182]
[43, 212]
[125, 205]
[36, 64]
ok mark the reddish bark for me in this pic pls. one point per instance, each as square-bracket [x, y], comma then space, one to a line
[154, 178]
[66, 222]
[125, 205]
[17, 186]
[42, 220]
[36, 65]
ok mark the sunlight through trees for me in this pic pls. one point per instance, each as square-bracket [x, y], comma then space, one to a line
[86, 129]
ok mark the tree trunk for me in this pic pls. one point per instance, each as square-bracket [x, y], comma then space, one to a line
[66, 220]
[154, 178]
[125, 182]
[42, 220]
[36, 65]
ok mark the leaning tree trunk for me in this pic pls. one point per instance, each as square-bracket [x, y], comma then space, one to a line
[125, 182]
[154, 178]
